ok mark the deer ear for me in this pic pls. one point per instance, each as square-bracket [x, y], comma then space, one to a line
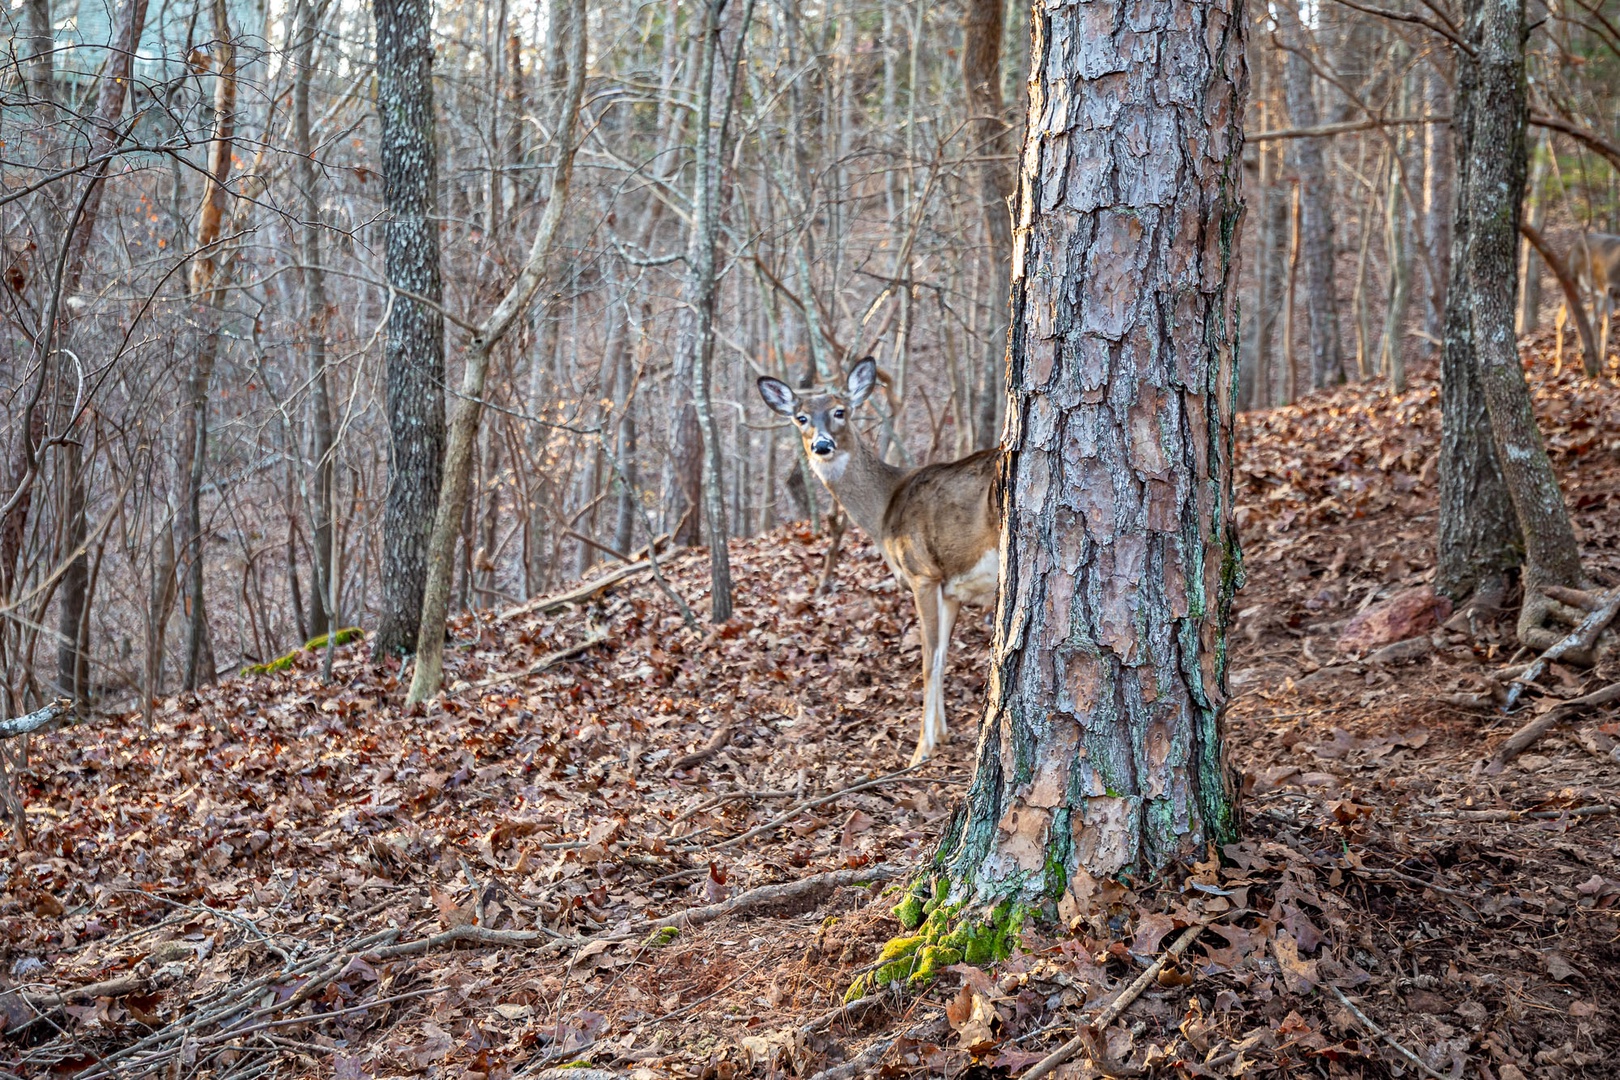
[862, 377]
[778, 395]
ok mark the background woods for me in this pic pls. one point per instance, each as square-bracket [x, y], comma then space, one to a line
[231, 274]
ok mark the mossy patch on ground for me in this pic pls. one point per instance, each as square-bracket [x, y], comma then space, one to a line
[285, 663]
[939, 934]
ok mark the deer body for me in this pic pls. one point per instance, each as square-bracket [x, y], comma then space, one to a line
[1595, 263]
[937, 527]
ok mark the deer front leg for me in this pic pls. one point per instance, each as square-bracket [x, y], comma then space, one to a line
[1558, 337]
[929, 597]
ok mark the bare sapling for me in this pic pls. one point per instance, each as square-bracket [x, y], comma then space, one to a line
[938, 527]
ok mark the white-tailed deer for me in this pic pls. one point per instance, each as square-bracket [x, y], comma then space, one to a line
[938, 527]
[1595, 261]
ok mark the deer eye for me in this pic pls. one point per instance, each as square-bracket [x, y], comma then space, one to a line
[801, 420]
[838, 414]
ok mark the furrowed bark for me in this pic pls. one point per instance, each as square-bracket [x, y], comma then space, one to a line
[414, 353]
[1496, 190]
[1100, 751]
[1478, 533]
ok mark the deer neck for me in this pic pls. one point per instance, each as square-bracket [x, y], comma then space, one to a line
[862, 482]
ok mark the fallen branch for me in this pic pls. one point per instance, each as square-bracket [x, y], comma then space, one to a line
[1341, 128]
[546, 661]
[1529, 815]
[579, 594]
[128, 983]
[1525, 737]
[787, 892]
[39, 720]
[1388, 1038]
[1115, 1008]
[782, 819]
[1580, 639]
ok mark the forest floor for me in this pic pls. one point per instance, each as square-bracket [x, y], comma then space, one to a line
[286, 878]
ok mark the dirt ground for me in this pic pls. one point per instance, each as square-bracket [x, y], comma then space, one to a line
[287, 878]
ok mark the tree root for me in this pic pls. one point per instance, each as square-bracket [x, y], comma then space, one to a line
[1572, 648]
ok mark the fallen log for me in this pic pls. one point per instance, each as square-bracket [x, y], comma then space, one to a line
[47, 719]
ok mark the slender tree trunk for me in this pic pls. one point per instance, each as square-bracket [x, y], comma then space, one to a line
[208, 280]
[41, 45]
[463, 436]
[1438, 169]
[1495, 188]
[1316, 207]
[1100, 752]
[322, 611]
[1478, 534]
[1529, 313]
[414, 353]
[72, 656]
[1392, 353]
[992, 144]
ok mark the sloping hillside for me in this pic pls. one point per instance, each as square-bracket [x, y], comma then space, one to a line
[284, 877]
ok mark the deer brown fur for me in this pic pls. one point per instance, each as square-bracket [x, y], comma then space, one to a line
[938, 527]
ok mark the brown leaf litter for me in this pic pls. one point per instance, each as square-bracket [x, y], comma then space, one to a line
[596, 862]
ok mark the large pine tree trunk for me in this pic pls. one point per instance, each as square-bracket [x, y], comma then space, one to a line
[414, 354]
[1315, 208]
[1101, 749]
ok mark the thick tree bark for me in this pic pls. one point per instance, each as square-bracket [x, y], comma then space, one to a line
[1496, 183]
[1479, 534]
[414, 356]
[1316, 207]
[992, 144]
[1101, 749]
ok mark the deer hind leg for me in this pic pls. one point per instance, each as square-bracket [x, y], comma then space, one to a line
[930, 610]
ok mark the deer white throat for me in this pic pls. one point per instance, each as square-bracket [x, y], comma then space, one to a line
[830, 469]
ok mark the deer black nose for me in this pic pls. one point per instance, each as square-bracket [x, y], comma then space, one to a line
[822, 447]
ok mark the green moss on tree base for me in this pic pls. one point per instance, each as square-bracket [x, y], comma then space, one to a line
[284, 663]
[940, 934]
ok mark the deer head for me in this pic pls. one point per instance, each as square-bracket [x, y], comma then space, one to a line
[823, 419]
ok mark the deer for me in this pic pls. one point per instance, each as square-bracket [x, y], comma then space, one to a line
[1595, 262]
[937, 527]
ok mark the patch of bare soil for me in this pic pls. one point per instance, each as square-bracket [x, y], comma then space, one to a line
[669, 854]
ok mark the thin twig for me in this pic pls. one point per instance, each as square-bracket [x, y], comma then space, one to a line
[1388, 1038]
[1115, 1008]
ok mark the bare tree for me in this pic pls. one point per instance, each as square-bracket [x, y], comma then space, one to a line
[415, 349]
